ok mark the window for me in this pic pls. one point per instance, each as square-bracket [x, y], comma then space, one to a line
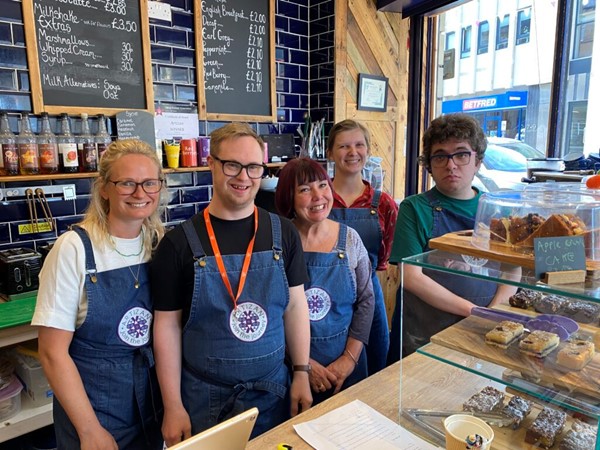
[515, 94]
[584, 29]
[502, 32]
[449, 56]
[483, 37]
[450, 38]
[523, 26]
[465, 42]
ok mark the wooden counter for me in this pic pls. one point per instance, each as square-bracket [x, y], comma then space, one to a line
[422, 377]
[428, 384]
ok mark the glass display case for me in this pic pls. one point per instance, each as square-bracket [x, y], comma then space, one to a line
[496, 380]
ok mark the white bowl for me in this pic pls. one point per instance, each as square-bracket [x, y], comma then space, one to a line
[269, 184]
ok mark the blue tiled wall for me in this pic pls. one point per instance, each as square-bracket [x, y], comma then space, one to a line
[304, 84]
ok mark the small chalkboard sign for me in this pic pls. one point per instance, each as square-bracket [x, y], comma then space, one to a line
[88, 55]
[236, 59]
[556, 254]
[136, 125]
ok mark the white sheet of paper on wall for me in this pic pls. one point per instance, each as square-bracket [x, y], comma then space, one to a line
[159, 10]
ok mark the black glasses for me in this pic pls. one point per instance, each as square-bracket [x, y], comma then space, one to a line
[128, 187]
[459, 158]
[234, 168]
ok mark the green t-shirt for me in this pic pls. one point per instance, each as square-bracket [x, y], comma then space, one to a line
[415, 222]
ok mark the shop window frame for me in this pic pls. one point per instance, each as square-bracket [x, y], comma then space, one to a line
[502, 31]
[523, 26]
[483, 44]
[466, 34]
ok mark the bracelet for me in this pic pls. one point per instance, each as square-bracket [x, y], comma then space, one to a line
[351, 356]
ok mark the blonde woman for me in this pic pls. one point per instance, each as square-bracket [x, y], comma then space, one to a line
[95, 314]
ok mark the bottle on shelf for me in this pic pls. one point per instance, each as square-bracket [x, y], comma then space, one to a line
[48, 147]
[86, 147]
[67, 147]
[8, 147]
[102, 138]
[28, 149]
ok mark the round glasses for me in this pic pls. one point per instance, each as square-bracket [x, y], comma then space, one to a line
[128, 187]
[459, 158]
[234, 168]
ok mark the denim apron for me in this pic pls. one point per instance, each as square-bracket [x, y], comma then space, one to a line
[234, 359]
[113, 355]
[420, 320]
[366, 223]
[331, 294]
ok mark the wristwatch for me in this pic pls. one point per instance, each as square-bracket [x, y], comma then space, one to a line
[302, 368]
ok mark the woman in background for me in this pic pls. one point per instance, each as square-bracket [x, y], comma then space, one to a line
[95, 314]
[371, 213]
[340, 293]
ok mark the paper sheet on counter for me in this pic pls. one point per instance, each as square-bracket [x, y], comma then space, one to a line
[357, 426]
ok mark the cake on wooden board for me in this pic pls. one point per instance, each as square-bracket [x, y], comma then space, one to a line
[504, 334]
[521, 231]
[575, 354]
[539, 343]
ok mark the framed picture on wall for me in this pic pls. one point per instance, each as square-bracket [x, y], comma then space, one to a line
[372, 92]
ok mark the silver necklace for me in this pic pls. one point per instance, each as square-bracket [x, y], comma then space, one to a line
[136, 277]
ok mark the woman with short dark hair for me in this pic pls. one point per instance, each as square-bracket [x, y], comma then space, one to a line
[339, 293]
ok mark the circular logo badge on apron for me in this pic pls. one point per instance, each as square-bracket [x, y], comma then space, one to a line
[248, 321]
[134, 328]
[319, 303]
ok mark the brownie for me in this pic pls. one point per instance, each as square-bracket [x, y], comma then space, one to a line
[550, 304]
[581, 312]
[546, 426]
[487, 400]
[524, 298]
[581, 436]
[517, 409]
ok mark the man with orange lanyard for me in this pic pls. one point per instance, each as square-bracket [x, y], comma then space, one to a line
[229, 300]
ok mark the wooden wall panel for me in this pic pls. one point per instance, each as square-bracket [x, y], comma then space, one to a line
[368, 41]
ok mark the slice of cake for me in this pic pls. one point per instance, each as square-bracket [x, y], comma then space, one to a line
[539, 343]
[487, 400]
[517, 409]
[546, 426]
[582, 312]
[525, 298]
[521, 228]
[499, 230]
[550, 304]
[575, 354]
[554, 226]
[581, 436]
[504, 334]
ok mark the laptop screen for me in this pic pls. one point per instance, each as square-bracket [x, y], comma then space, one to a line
[233, 434]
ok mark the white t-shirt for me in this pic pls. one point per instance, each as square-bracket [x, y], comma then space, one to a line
[61, 299]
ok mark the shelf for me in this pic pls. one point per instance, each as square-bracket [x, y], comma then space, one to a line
[574, 390]
[67, 176]
[435, 390]
[505, 273]
[462, 347]
[29, 419]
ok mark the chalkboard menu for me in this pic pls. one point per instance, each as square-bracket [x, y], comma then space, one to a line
[88, 54]
[236, 59]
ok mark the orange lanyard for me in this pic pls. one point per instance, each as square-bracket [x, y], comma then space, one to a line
[219, 258]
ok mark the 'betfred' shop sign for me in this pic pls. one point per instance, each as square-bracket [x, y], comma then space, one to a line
[479, 103]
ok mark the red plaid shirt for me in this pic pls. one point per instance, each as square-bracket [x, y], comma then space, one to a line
[387, 212]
